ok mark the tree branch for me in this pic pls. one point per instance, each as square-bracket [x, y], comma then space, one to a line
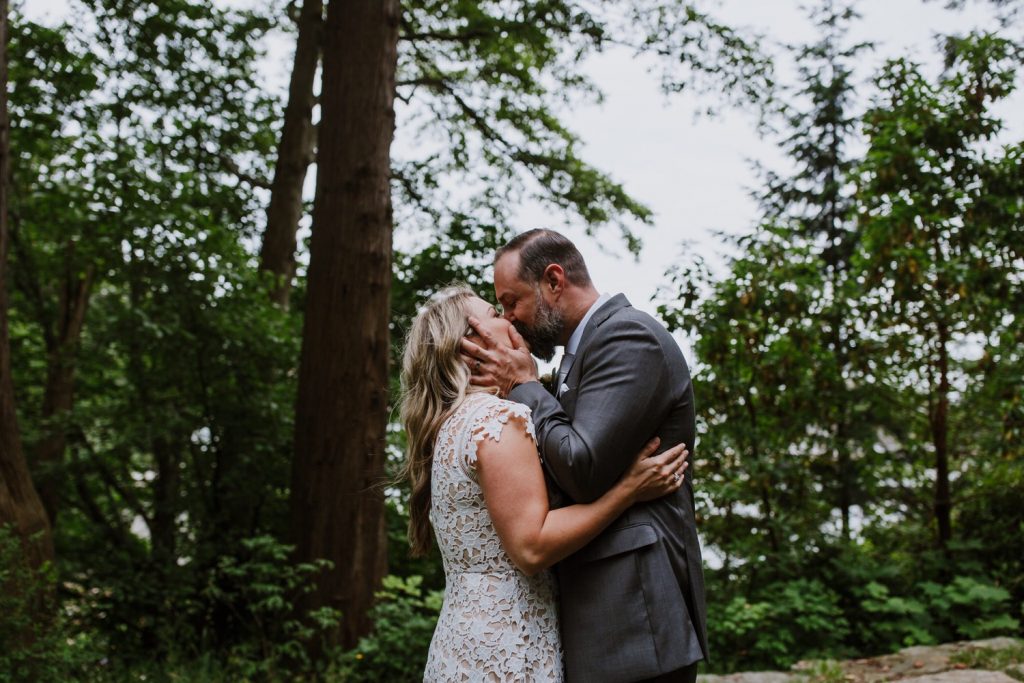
[232, 167]
[108, 477]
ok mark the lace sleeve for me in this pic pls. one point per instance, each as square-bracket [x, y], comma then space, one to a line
[490, 421]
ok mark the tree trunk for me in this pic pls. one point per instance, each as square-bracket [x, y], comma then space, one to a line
[20, 505]
[58, 395]
[166, 486]
[337, 506]
[939, 427]
[294, 155]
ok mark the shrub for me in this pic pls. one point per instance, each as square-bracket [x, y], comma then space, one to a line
[259, 589]
[970, 608]
[965, 608]
[787, 621]
[404, 618]
[895, 621]
[34, 649]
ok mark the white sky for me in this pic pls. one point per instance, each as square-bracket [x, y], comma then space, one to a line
[695, 172]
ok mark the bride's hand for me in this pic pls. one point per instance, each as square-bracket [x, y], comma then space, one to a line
[653, 476]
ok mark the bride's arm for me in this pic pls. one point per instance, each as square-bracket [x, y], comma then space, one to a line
[536, 537]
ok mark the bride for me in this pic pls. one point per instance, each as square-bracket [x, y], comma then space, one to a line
[478, 484]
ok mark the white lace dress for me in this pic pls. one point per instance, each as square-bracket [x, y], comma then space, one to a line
[497, 624]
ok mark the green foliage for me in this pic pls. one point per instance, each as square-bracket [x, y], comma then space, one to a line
[491, 85]
[259, 589]
[825, 671]
[895, 621]
[788, 621]
[970, 608]
[38, 645]
[132, 126]
[403, 623]
[400, 562]
[823, 356]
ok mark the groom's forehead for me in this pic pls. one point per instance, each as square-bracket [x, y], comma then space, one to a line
[506, 270]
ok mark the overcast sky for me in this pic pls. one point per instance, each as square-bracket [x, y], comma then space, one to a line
[695, 172]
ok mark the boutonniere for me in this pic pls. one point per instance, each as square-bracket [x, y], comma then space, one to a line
[548, 380]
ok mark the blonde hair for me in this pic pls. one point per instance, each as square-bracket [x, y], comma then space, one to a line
[434, 382]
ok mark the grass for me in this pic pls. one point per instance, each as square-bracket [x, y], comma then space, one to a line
[824, 671]
[993, 659]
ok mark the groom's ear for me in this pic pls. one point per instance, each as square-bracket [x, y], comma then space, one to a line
[553, 278]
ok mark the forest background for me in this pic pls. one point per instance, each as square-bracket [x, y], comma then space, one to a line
[206, 277]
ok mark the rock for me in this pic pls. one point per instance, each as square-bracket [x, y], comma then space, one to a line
[965, 676]
[1001, 643]
[912, 661]
[919, 664]
[752, 677]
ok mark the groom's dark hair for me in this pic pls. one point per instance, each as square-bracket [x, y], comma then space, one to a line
[539, 248]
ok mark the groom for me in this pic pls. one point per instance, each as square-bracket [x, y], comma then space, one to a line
[632, 601]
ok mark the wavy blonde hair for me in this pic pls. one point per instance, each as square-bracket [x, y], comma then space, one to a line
[434, 382]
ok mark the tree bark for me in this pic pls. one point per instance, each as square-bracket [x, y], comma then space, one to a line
[295, 153]
[939, 423]
[337, 505]
[20, 505]
[58, 396]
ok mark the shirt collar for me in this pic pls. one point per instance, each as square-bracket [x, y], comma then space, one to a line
[577, 334]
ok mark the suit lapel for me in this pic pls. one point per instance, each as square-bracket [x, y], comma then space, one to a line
[602, 314]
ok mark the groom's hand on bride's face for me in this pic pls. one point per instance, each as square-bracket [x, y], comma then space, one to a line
[495, 364]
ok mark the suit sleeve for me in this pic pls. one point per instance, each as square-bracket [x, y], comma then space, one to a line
[614, 414]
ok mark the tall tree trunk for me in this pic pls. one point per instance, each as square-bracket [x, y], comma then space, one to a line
[295, 153]
[20, 505]
[938, 420]
[337, 506]
[58, 394]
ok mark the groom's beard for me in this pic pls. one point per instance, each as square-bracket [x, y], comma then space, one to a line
[548, 324]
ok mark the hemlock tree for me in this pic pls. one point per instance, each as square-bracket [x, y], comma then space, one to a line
[814, 207]
[337, 500]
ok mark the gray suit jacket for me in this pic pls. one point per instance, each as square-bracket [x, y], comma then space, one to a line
[632, 600]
